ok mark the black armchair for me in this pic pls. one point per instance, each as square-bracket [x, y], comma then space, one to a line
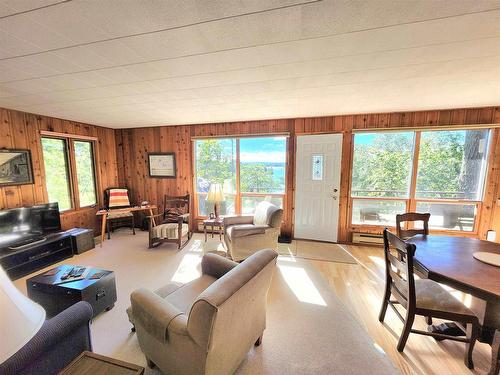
[60, 340]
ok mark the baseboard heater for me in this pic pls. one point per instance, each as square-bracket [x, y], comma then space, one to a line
[368, 238]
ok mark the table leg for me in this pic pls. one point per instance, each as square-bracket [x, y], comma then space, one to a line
[495, 354]
[103, 228]
[220, 233]
[152, 219]
[205, 231]
[212, 231]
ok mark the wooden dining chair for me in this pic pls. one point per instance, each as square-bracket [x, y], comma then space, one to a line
[412, 216]
[422, 297]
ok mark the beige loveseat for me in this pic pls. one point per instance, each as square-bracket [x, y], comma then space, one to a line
[246, 234]
[208, 325]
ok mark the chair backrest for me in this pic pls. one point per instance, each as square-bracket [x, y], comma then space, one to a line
[412, 216]
[401, 279]
[175, 205]
[116, 197]
[231, 312]
[267, 213]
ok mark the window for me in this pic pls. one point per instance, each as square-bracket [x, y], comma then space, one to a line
[84, 160]
[57, 175]
[249, 170]
[448, 181]
[69, 172]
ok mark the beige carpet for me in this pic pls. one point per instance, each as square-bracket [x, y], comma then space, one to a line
[328, 252]
[309, 331]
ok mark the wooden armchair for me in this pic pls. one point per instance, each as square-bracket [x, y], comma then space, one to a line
[172, 225]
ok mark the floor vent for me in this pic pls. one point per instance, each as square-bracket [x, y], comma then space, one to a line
[368, 238]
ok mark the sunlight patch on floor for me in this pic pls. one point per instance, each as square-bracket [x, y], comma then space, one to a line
[301, 285]
[189, 269]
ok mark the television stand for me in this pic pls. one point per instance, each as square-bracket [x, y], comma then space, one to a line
[21, 259]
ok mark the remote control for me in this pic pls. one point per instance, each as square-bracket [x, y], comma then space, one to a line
[66, 274]
[79, 272]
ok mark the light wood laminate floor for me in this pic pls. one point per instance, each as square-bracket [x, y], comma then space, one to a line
[360, 287]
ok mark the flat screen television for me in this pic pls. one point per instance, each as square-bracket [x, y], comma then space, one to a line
[21, 224]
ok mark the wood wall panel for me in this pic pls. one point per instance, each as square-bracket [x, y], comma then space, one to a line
[22, 130]
[133, 145]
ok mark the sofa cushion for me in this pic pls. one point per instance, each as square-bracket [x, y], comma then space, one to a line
[242, 230]
[263, 213]
[118, 215]
[183, 297]
[169, 230]
[118, 198]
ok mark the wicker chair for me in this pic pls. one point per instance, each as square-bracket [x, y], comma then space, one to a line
[172, 225]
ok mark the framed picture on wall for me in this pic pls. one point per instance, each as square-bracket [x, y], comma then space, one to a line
[15, 167]
[162, 165]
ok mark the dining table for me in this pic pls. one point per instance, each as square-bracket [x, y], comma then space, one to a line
[449, 260]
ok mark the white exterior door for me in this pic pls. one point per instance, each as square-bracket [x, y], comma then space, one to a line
[317, 186]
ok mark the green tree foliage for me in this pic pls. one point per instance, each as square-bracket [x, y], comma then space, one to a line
[56, 172]
[213, 162]
[440, 163]
[257, 178]
[449, 164]
[85, 173]
[382, 167]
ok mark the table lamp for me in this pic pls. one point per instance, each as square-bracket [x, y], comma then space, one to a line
[215, 195]
[20, 318]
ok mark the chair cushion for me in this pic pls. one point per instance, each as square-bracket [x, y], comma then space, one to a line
[184, 297]
[169, 231]
[118, 198]
[432, 296]
[119, 215]
[263, 213]
[242, 230]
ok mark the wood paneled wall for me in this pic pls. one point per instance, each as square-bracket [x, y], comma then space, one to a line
[134, 144]
[22, 131]
[122, 155]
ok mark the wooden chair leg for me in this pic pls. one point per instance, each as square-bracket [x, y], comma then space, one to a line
[471, 334]
[133, 225]
[495, 354]
[108, 224]
[259, 341]
[150, 363]
[406, 332]
[385, 303]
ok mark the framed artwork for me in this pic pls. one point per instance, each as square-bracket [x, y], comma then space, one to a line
[15, 167]
[162, 165]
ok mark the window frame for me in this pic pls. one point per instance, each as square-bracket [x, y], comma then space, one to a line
[69, 140]
[411, 201]
[238, 196]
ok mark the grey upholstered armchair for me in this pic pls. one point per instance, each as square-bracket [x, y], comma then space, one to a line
[209, 324]
[246, 234]
[60, 340]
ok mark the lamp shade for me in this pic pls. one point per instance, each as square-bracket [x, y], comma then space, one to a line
[20, 318]
[215, 193]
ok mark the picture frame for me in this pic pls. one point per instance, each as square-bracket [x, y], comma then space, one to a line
[16, 167]
[162, 165]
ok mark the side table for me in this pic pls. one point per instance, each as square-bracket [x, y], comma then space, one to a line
[96, 364]
[214, 224]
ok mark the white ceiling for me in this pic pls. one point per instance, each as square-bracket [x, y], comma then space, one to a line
[133, 63]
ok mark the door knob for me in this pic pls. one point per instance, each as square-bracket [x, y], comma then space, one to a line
[335, 190]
